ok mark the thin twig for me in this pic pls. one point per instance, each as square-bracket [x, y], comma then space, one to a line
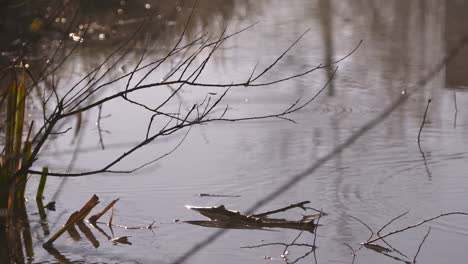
[296, 205]
[423, 121]
[420, 245]
[391, 221]
[413, 226]
[315, 236]
[353, 252]
[368, 227]
[98, 124]
[456, 109]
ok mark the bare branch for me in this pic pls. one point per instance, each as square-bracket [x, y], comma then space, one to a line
[268, 68]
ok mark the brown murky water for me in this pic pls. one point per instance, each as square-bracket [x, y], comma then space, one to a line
[382, 175]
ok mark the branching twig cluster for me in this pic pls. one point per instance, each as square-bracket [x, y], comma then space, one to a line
[86, 95]
[389, 251]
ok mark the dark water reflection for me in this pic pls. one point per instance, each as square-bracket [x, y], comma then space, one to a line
[379, 177]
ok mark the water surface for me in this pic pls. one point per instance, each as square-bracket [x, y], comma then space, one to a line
[382, 175]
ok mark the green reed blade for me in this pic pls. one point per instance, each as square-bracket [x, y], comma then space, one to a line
[22, 179]
[20, 107]
[10, 131]
[42, 183]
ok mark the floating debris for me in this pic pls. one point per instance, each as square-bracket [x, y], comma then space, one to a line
[50, 206]
[224, 218]
[216, 195]
[121, 240]
[77, 218]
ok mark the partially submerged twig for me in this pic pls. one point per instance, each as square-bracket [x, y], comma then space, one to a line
[150, 226]
[96, 217]
[371, 242]
[216, 195]
[420, 245]
[455, 113]
[315, 236]
[415, 225]
[353, 252]
[111, 217]
[423, 122]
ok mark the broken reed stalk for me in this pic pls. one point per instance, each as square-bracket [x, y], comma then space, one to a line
[93, 219]
[75, 217]
[88, 207]
[423, 121]
[42, 183]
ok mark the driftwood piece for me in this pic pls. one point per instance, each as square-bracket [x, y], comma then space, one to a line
[224, 218]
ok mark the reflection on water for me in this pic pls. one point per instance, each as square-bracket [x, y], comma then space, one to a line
[379, 177]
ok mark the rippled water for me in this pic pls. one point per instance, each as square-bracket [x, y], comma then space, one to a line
[382, 175]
